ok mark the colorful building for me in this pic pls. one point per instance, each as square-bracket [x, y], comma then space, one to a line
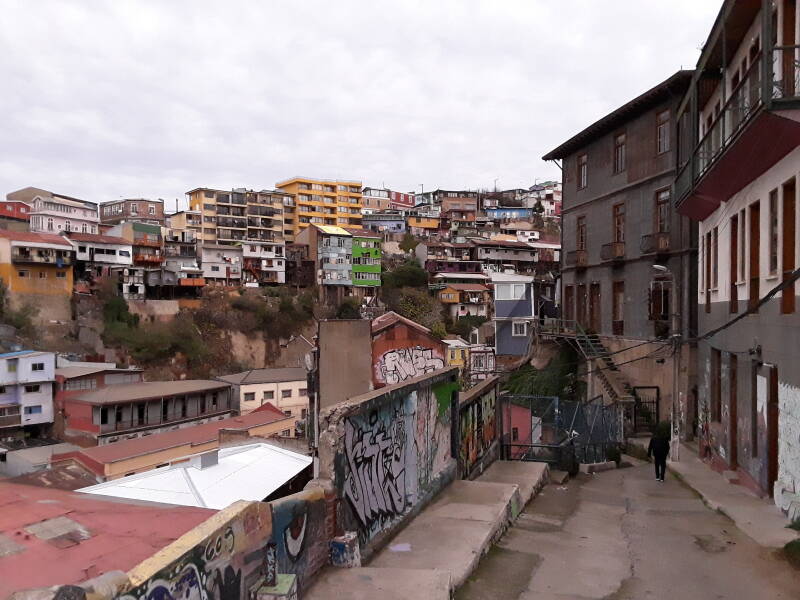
[53, 213]
[36, 269]
[331, 249]
[403, 349]
[323, 202]
[366, 261]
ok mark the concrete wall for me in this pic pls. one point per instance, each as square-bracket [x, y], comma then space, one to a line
[344, 367]
[388, 453]
[478, 428]
[401, 352]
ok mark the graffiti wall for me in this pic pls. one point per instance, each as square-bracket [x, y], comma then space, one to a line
[224, 558]
[478, 434]
[389, 452]
[398, 365]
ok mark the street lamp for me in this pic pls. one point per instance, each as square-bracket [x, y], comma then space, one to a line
[675, 336]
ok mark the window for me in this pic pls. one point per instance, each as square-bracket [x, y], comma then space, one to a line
[42, 275]
[303, 392]
[733, 255]
[580, 234]
[514, 434]
[662, 211]
[214, 268]
[286, 433]
[788, 250]
[662, 132]
[23, 274]
[519, 328]
[287, 413]
[151, 209]
[32, 389]
[33, 410]
[103, 415]
[715, 258]
[12, 365]
[286, 393]
[37, 367]
[2, 389]
[619, 223]
[509, 291]
[619, 153]
[582, 171]
[303, 413]
[134, 209]
[755, 253]
[773, 232]
[618, 308]
[249, 396]
[660, 292]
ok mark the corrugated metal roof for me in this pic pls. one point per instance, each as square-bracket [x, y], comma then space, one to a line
[332, 230]
[265, 376]
[129, 392]
[249, 472]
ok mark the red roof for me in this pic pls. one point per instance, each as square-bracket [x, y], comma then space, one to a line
[58, 537]
[197, 434]
[390, 318]
[41, 238]
[98, 239]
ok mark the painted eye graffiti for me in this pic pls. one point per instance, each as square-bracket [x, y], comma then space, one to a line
[294, 535]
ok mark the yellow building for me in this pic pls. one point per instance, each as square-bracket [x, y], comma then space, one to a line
[36, 269]
[232, 216]
[323, 202]
[186, 220]
[457, 353]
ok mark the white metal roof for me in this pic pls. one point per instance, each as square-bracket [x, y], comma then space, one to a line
[250, 472]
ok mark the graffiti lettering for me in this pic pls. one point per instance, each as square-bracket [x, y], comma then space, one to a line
[376, 485]
[223, 542]
[270, 564]
[398, 365]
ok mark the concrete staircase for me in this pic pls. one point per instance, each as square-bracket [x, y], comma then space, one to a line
[614, 383]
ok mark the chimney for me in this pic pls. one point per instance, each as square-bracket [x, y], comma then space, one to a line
[205, 460]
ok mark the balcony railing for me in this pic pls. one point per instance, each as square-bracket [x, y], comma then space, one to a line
[58, 258]
[11, 420]
[148, 258]
[655, 243]
[191, 282]
[147, 242]
[576, 258]
[612, 251]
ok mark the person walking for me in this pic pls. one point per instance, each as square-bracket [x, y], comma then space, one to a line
[658, 450]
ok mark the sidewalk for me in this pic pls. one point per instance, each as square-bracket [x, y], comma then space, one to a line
[439, 548]
[758, 517]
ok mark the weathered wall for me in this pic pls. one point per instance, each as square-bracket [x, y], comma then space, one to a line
[478, 428]
[344, 368]
[401, 352]
[154, 310]
[787, 488]
[388, 452]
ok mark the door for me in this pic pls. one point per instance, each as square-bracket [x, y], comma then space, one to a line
[787, 60]
[772, 429]
[594, 307]
[788, 254]
[755, 253]
[580, 305]
[733, 427]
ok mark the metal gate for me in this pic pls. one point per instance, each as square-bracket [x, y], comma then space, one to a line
[646, 405]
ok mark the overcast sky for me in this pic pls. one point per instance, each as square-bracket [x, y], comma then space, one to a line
[103, 100]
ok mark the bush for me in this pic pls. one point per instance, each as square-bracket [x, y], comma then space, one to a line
[409, 243]
[463, 326]
[349, 309]
[559, 378]
[409, 274]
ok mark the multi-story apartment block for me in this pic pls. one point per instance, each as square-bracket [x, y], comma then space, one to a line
[131, 410]
[373, 200]
[222, 265]
[423, 225]
[53, 213]
[36, 269]
[179, 273]
[286, 388]
[627, 277]
[514, 313]
[187, 220]
[323, 202]
[738, 169]
[97, 255]
[26, 392]
[401, 201]
[366, 261]
[331, 248]
[387, 221]
[133, 209]
[264, 262]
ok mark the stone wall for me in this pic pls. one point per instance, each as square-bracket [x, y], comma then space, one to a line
[388, 452]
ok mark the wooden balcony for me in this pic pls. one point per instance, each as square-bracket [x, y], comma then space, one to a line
[613, 251]
[655, 243]
[577, 259]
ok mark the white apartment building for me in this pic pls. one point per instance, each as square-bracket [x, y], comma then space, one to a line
[54, 213]
[264, 262]
[26, 390]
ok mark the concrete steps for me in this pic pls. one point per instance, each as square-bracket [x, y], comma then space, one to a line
[369, 583]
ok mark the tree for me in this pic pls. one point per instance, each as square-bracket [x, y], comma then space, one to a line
[349, 309]
[409, 243]
[417, 305]
[409, 274]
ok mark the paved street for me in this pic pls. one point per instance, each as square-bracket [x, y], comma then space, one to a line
[622, 535]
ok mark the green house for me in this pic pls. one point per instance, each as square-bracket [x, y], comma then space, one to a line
[366, 259]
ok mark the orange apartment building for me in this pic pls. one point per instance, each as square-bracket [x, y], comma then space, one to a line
[323, 202]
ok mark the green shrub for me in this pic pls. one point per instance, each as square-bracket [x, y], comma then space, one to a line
[349, 309]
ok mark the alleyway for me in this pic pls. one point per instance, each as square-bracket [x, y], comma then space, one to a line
[621, 535]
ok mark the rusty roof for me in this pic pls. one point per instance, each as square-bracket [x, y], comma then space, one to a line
[53, 537]
[98, 238]
[145, 390]
[41, 238]
[391, 318]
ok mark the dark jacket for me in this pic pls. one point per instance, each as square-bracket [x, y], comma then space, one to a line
[659, 447]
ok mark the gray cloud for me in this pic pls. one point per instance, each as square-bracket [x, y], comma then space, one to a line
[103, 100]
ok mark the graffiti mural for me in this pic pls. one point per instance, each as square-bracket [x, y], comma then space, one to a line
[477, 429]
[393, 457]
[398, 365]
[300, 534]
[221, 566]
